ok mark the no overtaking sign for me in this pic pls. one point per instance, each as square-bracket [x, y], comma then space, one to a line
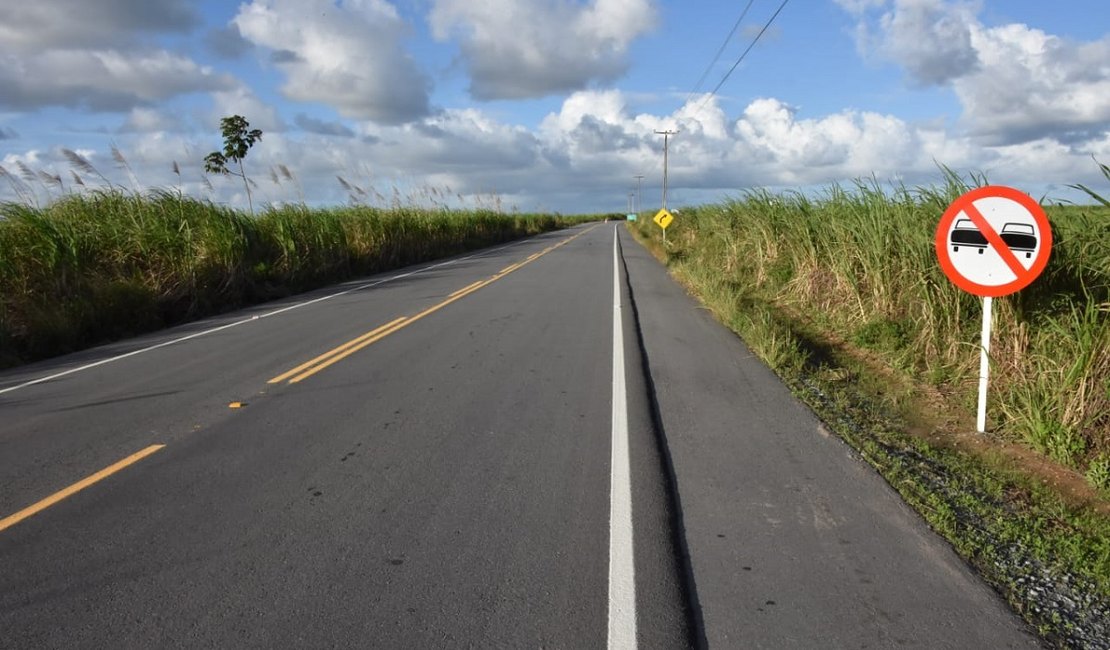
[993, 241]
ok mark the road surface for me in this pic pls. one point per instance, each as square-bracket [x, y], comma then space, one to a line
[544, 444]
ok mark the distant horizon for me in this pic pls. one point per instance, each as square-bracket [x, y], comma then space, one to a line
[495, 202]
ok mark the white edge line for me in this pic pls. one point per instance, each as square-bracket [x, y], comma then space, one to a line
[622, 568]
[213, 330]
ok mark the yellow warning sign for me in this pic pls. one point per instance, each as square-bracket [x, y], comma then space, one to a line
[663, 219]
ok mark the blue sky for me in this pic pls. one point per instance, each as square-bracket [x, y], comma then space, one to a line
[551, 104]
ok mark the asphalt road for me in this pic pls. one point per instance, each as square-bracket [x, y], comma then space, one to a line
[491, 451]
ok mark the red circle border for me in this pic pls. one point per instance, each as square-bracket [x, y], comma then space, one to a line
[940, 241]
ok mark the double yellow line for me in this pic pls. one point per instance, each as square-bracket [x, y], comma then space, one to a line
[303, 371]
[337, 354]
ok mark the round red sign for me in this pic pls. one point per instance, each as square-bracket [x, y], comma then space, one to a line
[993, 241]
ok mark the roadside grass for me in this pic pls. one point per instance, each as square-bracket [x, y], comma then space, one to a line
[861, 262]
[842, 296]
[101, 265]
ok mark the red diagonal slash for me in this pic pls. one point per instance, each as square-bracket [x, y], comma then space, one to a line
[995, 240]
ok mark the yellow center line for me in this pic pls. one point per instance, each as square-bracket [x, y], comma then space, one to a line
[309, 368]
[355, 347]
[352, 347]
[466, 288]
[12, 520]
[286, 375]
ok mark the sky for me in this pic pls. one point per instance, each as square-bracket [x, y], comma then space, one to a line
[551, 105]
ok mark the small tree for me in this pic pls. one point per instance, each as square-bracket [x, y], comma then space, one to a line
[237, 141]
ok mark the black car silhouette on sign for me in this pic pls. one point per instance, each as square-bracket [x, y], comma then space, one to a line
[1018, 236]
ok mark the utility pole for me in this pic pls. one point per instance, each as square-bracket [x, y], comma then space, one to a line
[666, 141]
[639, 199]
[630, 195]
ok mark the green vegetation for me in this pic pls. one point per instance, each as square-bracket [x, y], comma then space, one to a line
[861, 263]
[843, 297]
[98, 266]
[237, 142]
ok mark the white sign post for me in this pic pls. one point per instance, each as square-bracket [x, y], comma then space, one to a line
[991, 242]
[984, 365]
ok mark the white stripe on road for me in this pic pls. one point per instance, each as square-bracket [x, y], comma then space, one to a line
[622, 570]
[237, 323]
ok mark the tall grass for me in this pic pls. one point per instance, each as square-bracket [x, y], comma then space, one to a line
[859, 263]
[97, 266]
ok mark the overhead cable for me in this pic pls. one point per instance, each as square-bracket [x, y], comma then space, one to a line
[720, 51]
[744, 54]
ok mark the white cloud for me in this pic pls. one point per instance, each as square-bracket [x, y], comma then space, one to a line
[66, 24]
[1034, 85]
[1016, 84]
[768, 144]
[150, 120]
[584, 156]
[242, 101]
[602, 143]
[108, 80]
[930, 39]
[90, 55]
[607, 106]
[478, 152]
[532, 48]
[842, 145]
[348, 55]
[323, 127]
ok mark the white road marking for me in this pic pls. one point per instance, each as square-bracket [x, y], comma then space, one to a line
[622, 569]
[213, 330]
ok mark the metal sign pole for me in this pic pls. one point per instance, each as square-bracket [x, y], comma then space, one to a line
[984, 364]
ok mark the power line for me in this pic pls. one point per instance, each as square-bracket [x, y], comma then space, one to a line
[720, 51]
[744, 54]
[712, 94]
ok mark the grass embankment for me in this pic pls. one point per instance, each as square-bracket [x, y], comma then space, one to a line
[842, 295]
[96, 267]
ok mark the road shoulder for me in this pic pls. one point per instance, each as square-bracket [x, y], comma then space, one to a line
[793, 540]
